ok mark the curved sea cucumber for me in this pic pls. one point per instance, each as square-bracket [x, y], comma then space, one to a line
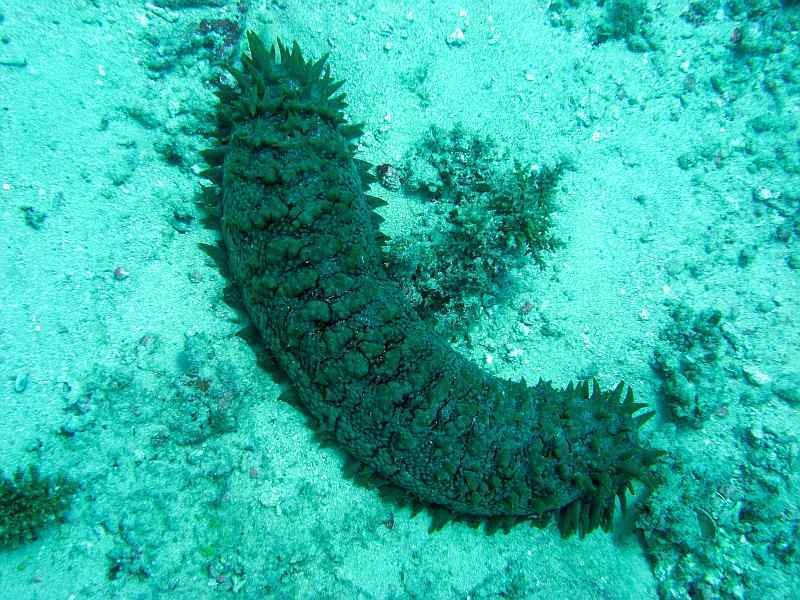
[304, 247]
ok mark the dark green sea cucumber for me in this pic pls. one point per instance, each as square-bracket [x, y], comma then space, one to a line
[304, 247]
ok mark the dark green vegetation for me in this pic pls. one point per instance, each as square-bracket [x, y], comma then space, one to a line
[489, 219]
[304, 246]
[30, 502]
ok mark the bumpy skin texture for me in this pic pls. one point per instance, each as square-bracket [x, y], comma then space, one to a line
[303, 244]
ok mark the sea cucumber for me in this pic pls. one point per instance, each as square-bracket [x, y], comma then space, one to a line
[303, 246]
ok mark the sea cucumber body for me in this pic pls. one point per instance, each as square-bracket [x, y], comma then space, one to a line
[304, 246]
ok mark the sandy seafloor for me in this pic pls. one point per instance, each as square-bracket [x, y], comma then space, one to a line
[116, 346]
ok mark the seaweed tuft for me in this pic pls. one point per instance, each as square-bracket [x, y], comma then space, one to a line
[29, 502]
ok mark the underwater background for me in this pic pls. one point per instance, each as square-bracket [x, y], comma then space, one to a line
[655, 239]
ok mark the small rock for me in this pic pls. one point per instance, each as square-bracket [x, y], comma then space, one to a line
[456, 38]
[21, 382]
[756, 434]
[754, 375]
[181, 221]
[388, 176]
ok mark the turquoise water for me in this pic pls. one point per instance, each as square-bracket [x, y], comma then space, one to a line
[676, 269]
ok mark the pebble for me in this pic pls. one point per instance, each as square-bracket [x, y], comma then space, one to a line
[456, 38]
[756, 434]
[21, 382]
[754, 375]
[181, 221]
